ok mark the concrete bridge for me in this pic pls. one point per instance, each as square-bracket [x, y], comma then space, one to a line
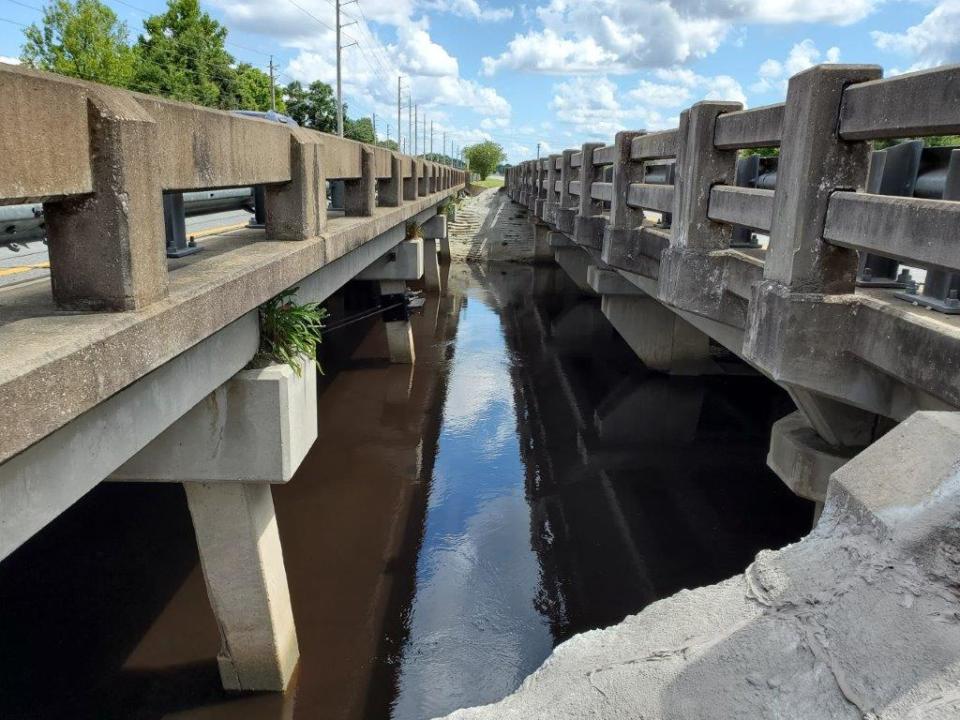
[780, 266]
[129, 365]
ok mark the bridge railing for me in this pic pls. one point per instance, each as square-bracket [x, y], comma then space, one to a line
[812, 202]
[101, 158]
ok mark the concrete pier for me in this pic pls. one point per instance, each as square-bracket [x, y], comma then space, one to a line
[660, 338]
[242, 561]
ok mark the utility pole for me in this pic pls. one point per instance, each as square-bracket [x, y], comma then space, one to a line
[445, 143]
[273, 88]
[339, 84]
[538, 151]
[424, 134]
[431, 137]
[399, 122]
[409, 122]
[416, 129]
[374, 128]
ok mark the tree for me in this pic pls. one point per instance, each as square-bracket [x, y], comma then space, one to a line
[484, 157]
[314, 107]
[251, 90]
[389, 144]
[182, 55]
[360, 129]
[83, 40]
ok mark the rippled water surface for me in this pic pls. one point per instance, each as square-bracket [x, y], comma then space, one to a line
[526, 480]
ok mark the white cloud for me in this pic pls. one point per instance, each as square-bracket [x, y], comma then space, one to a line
[470, 9]
[774, 74]
[370, 71]
[605, 37]
[934, 41]
[9, 60]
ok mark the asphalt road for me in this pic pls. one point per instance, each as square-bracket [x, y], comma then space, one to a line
[29, 261]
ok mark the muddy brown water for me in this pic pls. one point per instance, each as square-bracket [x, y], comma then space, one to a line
[526, 480]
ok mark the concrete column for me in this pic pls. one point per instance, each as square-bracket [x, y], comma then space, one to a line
[542, 252]
[814, 162]
[566, 212]
[660, 338]
[700, 166]
[588, 225]
[624, 220]
[390, 190]
[410, 183]
[397, 322]
[297, 210]
[361, 193]
[242, 562]
[431, 267]
[107, 249]
[434, 232]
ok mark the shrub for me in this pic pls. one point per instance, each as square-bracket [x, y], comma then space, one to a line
[289, 332]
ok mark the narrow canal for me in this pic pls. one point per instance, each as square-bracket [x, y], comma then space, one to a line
[525, 481]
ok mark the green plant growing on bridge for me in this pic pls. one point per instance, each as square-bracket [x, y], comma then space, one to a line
[83, 40]
[484, 157]
[289, 332]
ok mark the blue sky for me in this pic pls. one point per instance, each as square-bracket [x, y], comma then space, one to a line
[561, 72]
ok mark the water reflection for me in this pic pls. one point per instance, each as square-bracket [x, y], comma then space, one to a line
[571, 488]
[525, 481]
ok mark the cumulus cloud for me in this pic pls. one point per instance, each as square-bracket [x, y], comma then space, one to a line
[431, 72]
[934, 41]
[620, 36]
[9, 60]
[470, 9]
[774, 74]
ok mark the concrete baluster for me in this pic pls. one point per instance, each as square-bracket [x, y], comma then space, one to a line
[297, 210]
[589, 224]
[360, 194]
[567, 204]
[410, 183]
[390, 190]
[814, 162]
[622, 229]
[107, 249]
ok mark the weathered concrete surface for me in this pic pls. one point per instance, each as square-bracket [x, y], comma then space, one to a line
[858, 620]
[107, 249]
[242, 561]
[56, 365]
[660, 338]
[404, 262]
[802, 459]
[257, 427]
[42, 482]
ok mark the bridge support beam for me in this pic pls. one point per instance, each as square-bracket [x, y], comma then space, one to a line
[661, 339]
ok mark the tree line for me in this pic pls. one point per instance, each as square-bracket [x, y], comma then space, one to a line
[180, 54]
